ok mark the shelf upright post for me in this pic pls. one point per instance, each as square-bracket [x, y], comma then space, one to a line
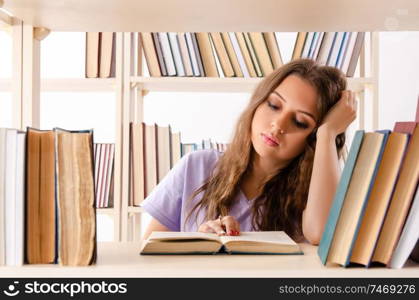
[31, 78]
[118, 138]
[375, 77]
[128, 116]
[17, 63]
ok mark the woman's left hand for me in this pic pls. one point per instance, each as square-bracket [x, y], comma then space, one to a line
[341, 114]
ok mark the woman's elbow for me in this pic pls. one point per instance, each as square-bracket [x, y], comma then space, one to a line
[313, 234]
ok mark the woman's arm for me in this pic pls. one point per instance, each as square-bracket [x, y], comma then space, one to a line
[325, 175]
[154, 225]
[323, 184]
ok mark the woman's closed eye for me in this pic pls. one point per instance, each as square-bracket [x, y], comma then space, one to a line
[296, 122]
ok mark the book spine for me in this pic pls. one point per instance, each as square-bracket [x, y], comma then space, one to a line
[337, 204]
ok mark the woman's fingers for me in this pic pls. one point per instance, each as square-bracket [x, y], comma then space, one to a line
[221, 226]
[231, 225]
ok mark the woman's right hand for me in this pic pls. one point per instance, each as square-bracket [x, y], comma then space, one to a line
[221, 226]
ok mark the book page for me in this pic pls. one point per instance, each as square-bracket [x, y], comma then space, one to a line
[276, 237]
[174, 235]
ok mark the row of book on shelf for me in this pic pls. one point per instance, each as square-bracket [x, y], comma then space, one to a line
[154, 150]
[224, 54]
[47, 197]
[374, 219]
[100, 55]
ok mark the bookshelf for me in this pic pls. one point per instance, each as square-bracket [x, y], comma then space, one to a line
[137, 86]
[130, 86]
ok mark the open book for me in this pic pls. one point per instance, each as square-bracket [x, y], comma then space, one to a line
[261, 242]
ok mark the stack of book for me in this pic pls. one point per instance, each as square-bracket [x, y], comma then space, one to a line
[205, 144]
[243, 54]
[374, 218]
[104, 155]
[154, 150]
[100, 55]
[47, 197]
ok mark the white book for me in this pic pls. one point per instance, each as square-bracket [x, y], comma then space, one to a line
[313, 44]
[349, 51]
[105, 155]
[20, 199]
[325, 48]
[239, 54]
[167, 54]
[159, 53]
[174, 45]
[342, 51]
[335, 49]
[288, 40]
[317, 47]
[2, 194]
[198, 55]
[109, 174]
[10, 193]
[217, 60]
[307, 44]
[409, 236]
[192, 54]
[100, 154]
[185, 53]
[163, 151]
[97, 159]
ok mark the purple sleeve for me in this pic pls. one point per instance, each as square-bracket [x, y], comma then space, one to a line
[164, 203]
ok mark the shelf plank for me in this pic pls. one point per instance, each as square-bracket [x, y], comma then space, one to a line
[123, 260]
[105, 211]
[218, 15]
[135, 209]
[163, 84]
[78, 85]
[69, 85]
[220, 85]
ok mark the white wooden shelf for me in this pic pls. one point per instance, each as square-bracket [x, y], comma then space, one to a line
[135, 209]
[69, 85]
[105, 211]
[123, 260]
[162, 84]
[212, 84]
[217, 15]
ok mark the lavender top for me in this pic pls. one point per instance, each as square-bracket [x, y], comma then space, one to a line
[168, 203]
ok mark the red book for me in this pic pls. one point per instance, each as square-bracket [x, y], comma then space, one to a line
[417, 111]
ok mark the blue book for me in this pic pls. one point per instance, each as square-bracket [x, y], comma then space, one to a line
[345, 178]
[385, 134]
[341, 49]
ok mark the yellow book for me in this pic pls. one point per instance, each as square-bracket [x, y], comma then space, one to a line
[253, 56]
[232, 54]
[222, 54]
[274, 51]
[208, 59]
[261, 52]
[355, 199]
[400, 202]
[150, 54]
[246, 54]
[379, 198]
[299, 45]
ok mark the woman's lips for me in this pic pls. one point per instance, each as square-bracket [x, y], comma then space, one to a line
[269, 141]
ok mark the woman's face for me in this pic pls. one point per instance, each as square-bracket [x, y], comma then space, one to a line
[282, 123]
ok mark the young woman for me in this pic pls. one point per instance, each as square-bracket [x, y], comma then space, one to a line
[280, 171]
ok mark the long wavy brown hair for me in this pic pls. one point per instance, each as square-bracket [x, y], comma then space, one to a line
[284, 195]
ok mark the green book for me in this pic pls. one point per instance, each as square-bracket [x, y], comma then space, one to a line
[260, 242]
[345, 178]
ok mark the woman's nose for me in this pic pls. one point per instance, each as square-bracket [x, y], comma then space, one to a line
[280, 124]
